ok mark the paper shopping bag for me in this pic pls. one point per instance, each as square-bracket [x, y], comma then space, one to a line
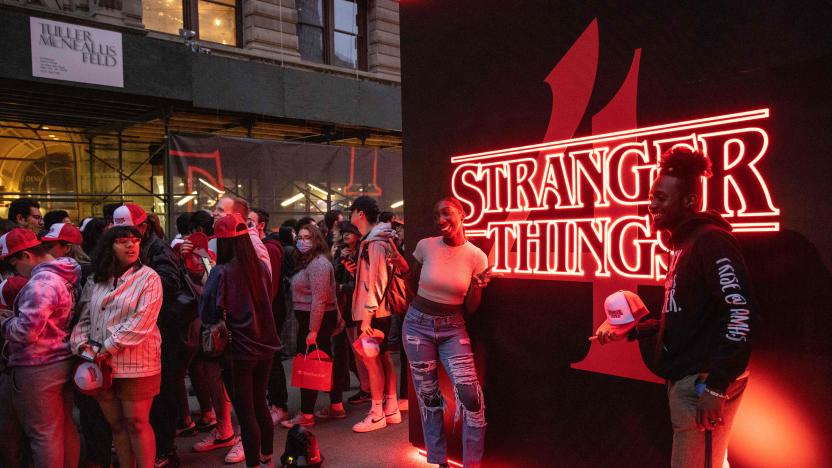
[312, 371]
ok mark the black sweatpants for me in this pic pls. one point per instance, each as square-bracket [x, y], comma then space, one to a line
[278, 394]
[335, 347]
[165, 407]
[246, 383]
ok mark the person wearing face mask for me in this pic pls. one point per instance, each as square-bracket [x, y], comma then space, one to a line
[319, 323]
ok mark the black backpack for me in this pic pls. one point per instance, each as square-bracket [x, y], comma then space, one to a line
[301, 449]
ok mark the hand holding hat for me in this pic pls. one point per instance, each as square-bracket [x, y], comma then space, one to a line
[624, 309]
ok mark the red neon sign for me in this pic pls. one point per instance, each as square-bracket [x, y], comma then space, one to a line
[564, 196]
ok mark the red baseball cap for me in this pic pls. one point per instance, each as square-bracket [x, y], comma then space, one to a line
[231, 225]
[17, 240]
[63, 232]
[9, 289]
[129, 214]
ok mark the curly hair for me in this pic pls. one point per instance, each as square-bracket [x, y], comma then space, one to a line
[104, 263]
[685, 164]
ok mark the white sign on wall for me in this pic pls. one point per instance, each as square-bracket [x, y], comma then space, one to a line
[64, 51]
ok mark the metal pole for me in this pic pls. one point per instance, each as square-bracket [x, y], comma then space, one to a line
[120, 167]
[168, 181]
[91, 152]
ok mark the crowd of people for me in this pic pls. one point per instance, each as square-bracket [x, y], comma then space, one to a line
[111, 318]
[112, 291]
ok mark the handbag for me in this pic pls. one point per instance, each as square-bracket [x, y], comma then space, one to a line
[312, 371]
[215, 338]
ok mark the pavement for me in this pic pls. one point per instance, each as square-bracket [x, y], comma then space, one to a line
[340, 446]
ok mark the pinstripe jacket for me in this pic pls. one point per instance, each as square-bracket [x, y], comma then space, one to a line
[121, 314]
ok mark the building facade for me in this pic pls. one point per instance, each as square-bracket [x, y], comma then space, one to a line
[93, 92]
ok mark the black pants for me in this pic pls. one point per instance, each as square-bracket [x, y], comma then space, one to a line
[278, 394]
[246, 383]
[190, 362]
[97, 439]
[165, 406]
[335, 347]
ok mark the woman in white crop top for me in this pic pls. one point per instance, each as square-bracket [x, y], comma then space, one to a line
[452, 273]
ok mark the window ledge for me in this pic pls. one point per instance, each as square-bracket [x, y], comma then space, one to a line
[276, 58]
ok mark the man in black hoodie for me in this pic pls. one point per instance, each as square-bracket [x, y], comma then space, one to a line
[704, 335]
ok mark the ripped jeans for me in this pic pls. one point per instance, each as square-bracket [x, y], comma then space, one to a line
[427, 340]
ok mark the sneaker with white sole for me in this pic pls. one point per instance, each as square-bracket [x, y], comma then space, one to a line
[278, 414]
[370, 423]
[394, 417]
[328, 412]
[300, 418]
[360, 397]
[236, 454]
[213, 442]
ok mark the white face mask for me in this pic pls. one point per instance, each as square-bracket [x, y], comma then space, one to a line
[304, 245]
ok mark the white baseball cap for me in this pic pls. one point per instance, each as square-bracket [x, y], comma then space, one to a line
[624, 309]
[89, 378]
[367, 346]
[129, 214]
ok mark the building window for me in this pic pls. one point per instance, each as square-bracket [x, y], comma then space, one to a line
[333, 32]
[212, 20]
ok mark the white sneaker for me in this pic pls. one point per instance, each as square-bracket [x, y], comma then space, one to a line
[370, 423]
[393, 418]
[212, 442]
[278, 414]
[236, 454]
[299, 418]
[403, 404]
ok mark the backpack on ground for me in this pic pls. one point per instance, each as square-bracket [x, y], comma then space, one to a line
[301, 449]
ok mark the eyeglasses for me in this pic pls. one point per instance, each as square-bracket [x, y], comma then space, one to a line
[125, 241]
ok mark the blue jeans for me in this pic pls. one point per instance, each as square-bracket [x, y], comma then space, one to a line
[41, 404]
[427, 340]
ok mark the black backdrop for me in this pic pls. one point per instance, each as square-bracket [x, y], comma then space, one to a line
[473, 80]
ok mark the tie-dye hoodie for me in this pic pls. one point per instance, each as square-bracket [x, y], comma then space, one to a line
[39, 331]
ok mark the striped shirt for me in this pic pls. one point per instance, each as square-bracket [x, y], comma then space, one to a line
[121, 315]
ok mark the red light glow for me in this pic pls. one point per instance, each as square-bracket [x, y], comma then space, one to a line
[772, 430]
[422, 456]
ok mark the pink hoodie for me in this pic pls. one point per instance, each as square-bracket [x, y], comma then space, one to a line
[39, 331]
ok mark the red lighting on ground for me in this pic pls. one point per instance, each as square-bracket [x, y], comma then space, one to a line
[422, 455]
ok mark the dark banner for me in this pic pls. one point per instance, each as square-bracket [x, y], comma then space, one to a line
[283, 178]
[547, 119]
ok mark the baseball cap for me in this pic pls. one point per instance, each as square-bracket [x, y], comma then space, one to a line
[129, 214]
[84, 223]
[63, 232]
[624, 309]
[231, 225]
[9, 289]
[364, 203]
[367, 346]
[17, 240]
[90, 378]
